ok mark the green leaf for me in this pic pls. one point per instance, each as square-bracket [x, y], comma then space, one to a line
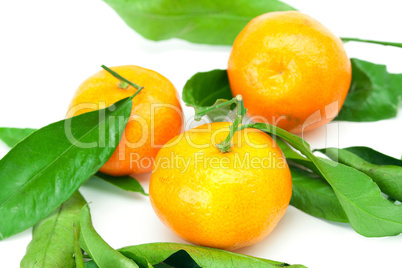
[139, 260]
[52, 242]
[12, 136]
[79, 260]
[126, 183]
[202, 21]
[207, 89]
[369, 213]
[384, 170]
[205, 257]
[161, 254]
[315, 197]
[310, 192]
[47, 167]
[351, 39]
[101, 253]
[294, 158]
[374, 93]
[204, 89]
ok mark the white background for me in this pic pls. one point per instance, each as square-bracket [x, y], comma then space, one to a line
[47, 48]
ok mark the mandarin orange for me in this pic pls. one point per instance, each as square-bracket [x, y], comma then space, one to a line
[156, 116]
[291, 71]
[223, 200]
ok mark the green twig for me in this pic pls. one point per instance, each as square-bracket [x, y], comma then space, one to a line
[201, 111]
[225, 145]
[124, 83]
[350, 39]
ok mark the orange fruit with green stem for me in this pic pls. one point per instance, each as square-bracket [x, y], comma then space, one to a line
[291, 71]
[218, 186]
[156, 115]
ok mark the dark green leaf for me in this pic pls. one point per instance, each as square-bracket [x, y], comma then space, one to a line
[47, 167]
[205, 257]
[101, 253]
[12, 136]
[201, 21]
[126, 183]
[373, 156]
[178, 259]
[162, 265]
[369, 213]
[384, 170]
[374, 93]
[52, 242]
[315, 197]
[351, 39]
[90, 264]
